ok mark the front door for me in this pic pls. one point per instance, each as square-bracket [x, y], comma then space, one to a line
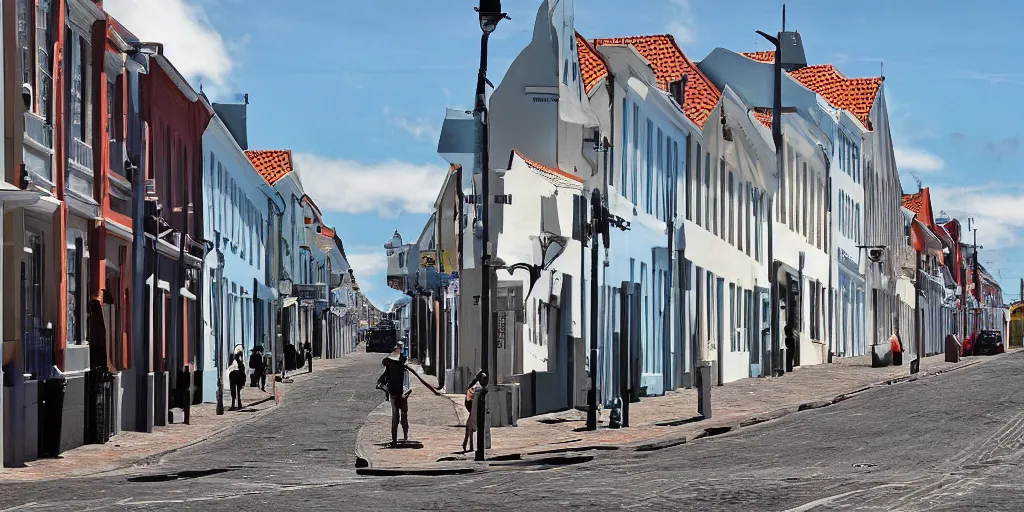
[762, 338]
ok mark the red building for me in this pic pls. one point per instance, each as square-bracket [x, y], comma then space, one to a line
[175, 117]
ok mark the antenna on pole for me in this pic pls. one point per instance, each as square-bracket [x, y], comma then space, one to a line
[881, 69]
[783, 16]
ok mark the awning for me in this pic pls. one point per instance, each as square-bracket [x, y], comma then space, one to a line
[289, 302]
[265, 292]
[13, 197]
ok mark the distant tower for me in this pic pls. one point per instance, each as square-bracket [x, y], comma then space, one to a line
[394, 244]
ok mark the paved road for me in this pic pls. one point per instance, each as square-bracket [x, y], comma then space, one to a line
[949, 442]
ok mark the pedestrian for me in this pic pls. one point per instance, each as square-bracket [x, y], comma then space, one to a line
[236, 379]
[790, 348]
[308, 350]
[479, 381]
[289, 356]
[259, 369]
[896, 345]
[393, 379]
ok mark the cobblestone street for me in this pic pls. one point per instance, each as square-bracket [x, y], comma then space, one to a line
[439, 422]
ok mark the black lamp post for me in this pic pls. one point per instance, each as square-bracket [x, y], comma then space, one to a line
[490, 16]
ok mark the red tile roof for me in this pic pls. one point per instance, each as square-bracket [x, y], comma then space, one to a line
[271, 164]
[768, 56]
[592, 65]
[857, 95]
[764, 116]
[550, 170]
[309, 201]
[326, 231]
[670, 64]
[914, 202]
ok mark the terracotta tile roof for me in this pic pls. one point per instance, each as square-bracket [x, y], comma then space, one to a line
[326, 231]
[670, 64]
[271, 164]
[592, 65]
[550, 170]
[768, 56]
[914, 202]
[856, 95]
[765, 116]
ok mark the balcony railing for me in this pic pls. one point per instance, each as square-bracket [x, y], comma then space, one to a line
[81, 153]
[38, 130]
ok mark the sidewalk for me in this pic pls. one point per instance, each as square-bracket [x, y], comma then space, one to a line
[130, 448]
[439, 422]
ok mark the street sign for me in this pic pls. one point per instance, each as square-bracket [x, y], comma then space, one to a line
[311, 291]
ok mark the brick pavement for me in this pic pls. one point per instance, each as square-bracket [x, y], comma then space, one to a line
[129, 448]
[438, 422]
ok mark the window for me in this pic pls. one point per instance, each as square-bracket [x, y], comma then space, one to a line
[805, 210]
[720, 198]
[708, 191]
[731, 206]
[24, 36]
[625, 144]
[856, 227]
[698, 190]
[636, 153]
[43, 64]
[110, 115]
[674, 197]
[648, 166]
[734, 342]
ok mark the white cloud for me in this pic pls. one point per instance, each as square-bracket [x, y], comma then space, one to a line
[419, 128]
[191, 43]
[914, 159]
[995, 209]
[388, 188]
[681, 24]
[368, 264]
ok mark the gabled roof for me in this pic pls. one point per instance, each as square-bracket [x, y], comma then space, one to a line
[856, 95]
[271, 164]
[670, 64]
[309, 200]
[592, 64]
[550, 170]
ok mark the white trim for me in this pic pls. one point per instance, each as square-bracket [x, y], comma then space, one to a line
[187, 294]
[166, 248]
[547, 90]
[119, 229]
[163, 285]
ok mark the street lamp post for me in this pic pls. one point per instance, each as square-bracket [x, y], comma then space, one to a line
[490, 15]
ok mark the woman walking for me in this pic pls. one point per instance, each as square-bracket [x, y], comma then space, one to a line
[236, 379]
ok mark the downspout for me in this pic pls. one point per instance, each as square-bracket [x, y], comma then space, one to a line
[610, 84]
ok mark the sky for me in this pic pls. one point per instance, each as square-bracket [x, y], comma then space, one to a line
[358, 91]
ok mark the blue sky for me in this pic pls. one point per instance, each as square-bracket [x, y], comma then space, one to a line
[358, 89]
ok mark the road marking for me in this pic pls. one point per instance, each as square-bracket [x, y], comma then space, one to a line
[830, 499]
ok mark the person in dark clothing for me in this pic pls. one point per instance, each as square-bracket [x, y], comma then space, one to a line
[309, 356]
[790, 348]
[393, 380]
[236, 379]
[289, 356]
[259, 370]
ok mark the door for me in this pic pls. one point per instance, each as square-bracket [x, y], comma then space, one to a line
[762, 338]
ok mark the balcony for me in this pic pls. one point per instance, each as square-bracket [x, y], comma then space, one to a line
[37, 129]
[81, 154]
[38, 149]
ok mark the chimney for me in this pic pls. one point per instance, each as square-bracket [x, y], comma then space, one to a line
[678, 89]
[234, 117]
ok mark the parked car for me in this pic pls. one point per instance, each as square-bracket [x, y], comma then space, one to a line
[988, 343]
[381, 340]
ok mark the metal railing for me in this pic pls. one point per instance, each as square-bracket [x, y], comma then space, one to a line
[39, 359]
[81, 153]
[39, 130]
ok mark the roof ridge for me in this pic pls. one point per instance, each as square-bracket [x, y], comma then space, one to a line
[541, 167]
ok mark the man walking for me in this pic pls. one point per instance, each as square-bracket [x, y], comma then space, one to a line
[393, 379]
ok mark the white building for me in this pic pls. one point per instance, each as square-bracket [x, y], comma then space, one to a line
[240, 206]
